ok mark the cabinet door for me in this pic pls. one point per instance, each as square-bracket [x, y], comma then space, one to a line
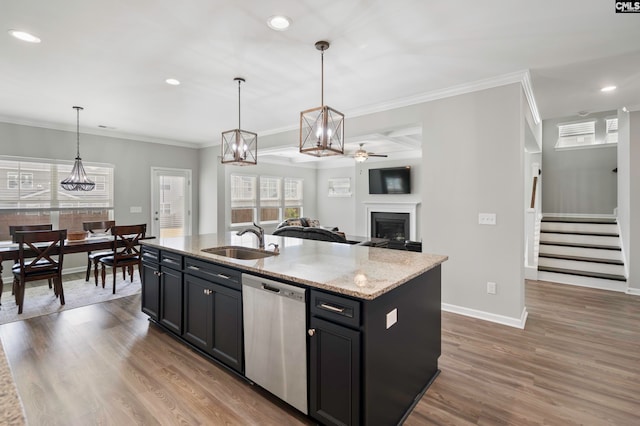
[334, 373]
[150, 290]
[226, 342]
[197, 312]
[171, 299]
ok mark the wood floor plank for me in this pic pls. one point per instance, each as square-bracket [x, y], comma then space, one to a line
[577, 362]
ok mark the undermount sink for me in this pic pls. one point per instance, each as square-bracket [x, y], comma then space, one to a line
[239, 252]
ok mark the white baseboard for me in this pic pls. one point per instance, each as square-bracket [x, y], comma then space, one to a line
[633, 291]
[487, 316]
[577, 280]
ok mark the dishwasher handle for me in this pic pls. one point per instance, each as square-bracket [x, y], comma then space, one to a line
[270, 288]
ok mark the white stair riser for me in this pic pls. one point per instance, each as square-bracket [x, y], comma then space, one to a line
[579, 227]
[580, 239]
[581, 252]
[582, 266]
[600, 283]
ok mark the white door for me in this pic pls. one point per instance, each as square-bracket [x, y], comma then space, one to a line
[170, 202]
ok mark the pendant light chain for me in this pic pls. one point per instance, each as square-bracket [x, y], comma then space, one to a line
[322, 77]
[78, 131]
[239, 127]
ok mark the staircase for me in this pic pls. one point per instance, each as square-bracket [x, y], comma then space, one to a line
[581, 251]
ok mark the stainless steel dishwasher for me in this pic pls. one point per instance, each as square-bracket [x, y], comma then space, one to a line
[275, 345]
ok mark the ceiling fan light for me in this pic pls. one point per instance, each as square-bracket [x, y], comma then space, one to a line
[360, 156]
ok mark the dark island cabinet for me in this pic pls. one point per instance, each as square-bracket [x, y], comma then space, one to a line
[150, 276]
[171, 299]
[213, 320]
[334, 359]
[334, 376]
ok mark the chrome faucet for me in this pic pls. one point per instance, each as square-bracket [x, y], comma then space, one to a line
[258, 232]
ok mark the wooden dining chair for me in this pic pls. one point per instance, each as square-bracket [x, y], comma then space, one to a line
[37, 261]
[15, 228]
[94, 257]
[126, 251]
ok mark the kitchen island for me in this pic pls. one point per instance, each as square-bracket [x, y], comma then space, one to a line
[372, 316]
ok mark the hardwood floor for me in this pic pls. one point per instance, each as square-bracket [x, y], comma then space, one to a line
[577, 362]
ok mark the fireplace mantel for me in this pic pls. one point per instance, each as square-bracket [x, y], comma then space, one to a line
[394, 207]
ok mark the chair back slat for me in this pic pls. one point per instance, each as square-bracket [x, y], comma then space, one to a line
[34, 257]
[103, 226]
[16, 228]
[126, 241]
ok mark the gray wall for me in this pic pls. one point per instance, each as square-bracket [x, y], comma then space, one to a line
[578, 180]
[132, 160]
[629, 194]
[337, 211]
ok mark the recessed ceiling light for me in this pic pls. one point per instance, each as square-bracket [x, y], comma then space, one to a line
[608, 89]
[172, 81]
[24, 36]
[279, 22]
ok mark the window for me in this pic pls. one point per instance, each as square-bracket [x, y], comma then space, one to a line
[243, 199]
[292, 198]
[32, 194]
[576, 134]
[270, 199]
[587, 134]
[165, 208]
[611, 135]
[264, 197]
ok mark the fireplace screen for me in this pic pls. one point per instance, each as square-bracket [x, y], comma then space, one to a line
[391, 226]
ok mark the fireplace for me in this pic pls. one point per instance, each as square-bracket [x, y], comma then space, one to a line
[391, 226]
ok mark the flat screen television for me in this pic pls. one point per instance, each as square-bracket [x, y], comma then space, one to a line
[394, 180]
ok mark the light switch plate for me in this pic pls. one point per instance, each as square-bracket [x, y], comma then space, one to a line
[487, 218]
[392, 317]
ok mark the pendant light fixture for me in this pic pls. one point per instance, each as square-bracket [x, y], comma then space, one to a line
[78, 180]
[239, 147]
[322, 128]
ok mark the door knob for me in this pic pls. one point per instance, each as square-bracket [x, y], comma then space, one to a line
[311, 332]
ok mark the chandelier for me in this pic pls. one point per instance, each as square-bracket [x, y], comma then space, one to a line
[78, 180]
[322, 128]
[239, 147]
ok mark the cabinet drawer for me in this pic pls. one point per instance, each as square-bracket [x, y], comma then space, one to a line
[170, 259]
[150, 254]
[215, 273]
[335, 308]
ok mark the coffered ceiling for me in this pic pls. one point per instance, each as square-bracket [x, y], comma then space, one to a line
[112, 57]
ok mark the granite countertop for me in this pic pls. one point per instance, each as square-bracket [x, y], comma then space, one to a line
[357, 271]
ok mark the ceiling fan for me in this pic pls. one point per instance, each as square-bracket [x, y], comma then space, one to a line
[362, 155]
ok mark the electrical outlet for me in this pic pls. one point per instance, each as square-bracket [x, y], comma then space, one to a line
[487, 218]
[135, 209]
[392, 317]
[492, 288]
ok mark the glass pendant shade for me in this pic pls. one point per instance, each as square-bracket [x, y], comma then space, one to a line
[239, 147]
[78, 180]
[322, 128]
[361, 156]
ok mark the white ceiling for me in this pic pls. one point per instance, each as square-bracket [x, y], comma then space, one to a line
[112, 57]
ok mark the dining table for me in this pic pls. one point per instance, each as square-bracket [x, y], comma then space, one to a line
[10, 251]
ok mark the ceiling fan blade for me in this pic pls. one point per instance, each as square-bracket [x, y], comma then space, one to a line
[377, 155]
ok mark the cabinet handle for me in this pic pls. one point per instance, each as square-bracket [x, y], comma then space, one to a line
[157, 273]
[331, 308]
[311, 332]
[195, 268]
[226, 277]
[207, 291]
[167, 260]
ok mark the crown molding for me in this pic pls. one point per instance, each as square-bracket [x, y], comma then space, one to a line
[97, 132]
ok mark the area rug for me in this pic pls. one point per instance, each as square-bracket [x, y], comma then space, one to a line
[40, 300]
[11, 412]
